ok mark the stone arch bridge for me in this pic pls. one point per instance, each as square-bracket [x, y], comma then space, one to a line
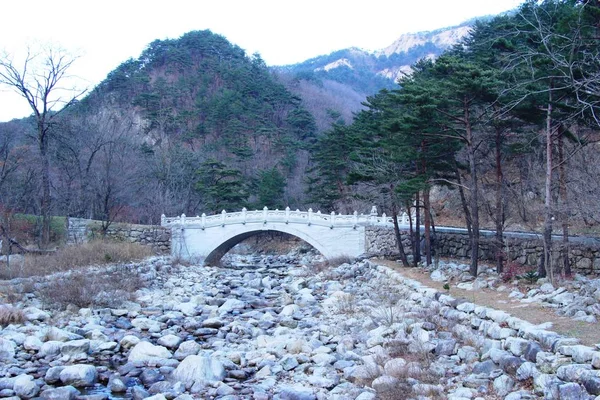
[207, 238]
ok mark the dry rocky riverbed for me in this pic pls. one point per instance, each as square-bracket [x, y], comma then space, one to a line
[276, 328]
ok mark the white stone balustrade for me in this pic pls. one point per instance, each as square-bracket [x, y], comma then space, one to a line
[287, 216]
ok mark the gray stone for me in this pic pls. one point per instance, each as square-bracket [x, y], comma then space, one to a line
[516, 346]
[32, 343]
[50, 348]
[188, 348]
[79, 375]
[199, 368]
[572, 391]
[503, 385]
[169, 341]
[572, 372]
[531, 351]
[129, 341]
[213, 323]
[526, 371]
[145, 352]
[139, 393]
[53, 374]
[579, 353]
[61, 393]
[591, 383]
[445, 347]
[116, 384]
[296, 392]
[25, 387]
[289, 363]
[230, 305]
[76, 348]
[7, 349]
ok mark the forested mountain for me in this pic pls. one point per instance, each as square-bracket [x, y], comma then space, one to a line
[193, 125]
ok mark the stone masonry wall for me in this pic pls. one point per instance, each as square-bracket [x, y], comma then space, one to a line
[585, 258]
[81, 230]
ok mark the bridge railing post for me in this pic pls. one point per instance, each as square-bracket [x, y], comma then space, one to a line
[404, 220]
[203, 220]
[287, 215]
[310, 212]
[332, 218]
[373, 215]
[182, 219]
[355, 219]
[223, 215]
[265, 209]
[244, 215]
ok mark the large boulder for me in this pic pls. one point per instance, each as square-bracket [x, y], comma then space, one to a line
[146, 352]
[61, 393]
[79, 375]
[25, 387]
[7, 349]
[199, 368]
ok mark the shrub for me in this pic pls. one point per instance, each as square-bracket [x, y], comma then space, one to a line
[531, 276]
[347, 304]
[109, 288]
[30, 225]
[512, 271]
[11, 315]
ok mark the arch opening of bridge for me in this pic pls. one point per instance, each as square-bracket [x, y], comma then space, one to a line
[207, 238]
[218, 253]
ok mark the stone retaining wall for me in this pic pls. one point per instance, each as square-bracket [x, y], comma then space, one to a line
[81, 230]
[585, 258]
[560, 367]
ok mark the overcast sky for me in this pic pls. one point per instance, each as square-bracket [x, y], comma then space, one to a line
[106, 33]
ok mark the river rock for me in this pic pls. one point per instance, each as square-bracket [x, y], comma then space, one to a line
[199, 368]
[7, 350]
[61, 393]
[170, 341]
[146, 352]
[79, 375]
[25, 387]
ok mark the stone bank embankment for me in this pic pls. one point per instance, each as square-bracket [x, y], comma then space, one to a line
[355, 331]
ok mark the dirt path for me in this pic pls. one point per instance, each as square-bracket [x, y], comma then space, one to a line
[588, 333]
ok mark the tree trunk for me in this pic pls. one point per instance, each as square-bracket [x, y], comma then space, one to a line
[544, 266]
[45, 201]
[499, 204]
[474, 198]
[427, 223]
[399, 236]
[411, 232]
[463, 202]
[562, 188]
[417, 237]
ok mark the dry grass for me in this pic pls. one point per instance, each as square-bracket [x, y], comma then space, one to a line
[347, 304]
[11, 315]
[98, 252]
[109, 288]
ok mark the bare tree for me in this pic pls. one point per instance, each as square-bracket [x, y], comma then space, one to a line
[38, 80]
